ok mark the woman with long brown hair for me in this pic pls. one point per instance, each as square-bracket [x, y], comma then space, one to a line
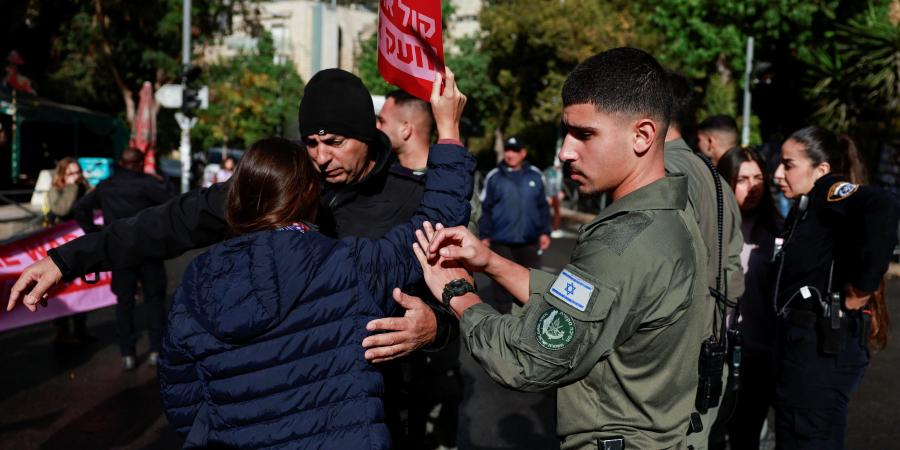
[68, 186]
[838, 241]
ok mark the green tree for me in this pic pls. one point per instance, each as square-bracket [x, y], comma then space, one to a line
[99, 52]
[472, 64]
[698, 37]
[251, 97]
[706, 40]
[532, 46]
[856, 76]
[367, 67]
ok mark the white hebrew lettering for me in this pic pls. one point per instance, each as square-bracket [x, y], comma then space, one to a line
[405, 10]
[404, 51]
[426, 26]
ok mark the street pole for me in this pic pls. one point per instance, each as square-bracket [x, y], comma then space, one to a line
[187, 122]
[748, 72]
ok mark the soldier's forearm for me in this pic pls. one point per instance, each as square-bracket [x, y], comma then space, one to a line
[460, 304]
[513, 277]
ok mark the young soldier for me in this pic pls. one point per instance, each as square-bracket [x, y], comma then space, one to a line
[618, 332]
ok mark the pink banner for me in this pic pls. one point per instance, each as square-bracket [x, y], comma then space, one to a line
[65, 298]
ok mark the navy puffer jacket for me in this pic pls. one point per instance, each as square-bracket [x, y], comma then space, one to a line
[263, 346]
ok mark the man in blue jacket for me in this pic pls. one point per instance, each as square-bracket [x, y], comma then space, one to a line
[515, 219]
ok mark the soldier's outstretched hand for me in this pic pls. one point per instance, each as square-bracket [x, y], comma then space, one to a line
[458, 244]
[436, 270]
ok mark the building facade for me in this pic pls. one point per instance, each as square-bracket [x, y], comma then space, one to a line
[313, 35]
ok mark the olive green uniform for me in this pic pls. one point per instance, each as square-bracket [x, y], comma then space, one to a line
[618, 332]
[702, 198]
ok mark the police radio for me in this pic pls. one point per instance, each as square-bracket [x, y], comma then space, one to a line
[709, 385]
[829, 321]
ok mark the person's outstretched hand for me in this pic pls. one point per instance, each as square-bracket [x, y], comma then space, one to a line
[448, 106]
[403, 335]
[33, 284]
[460, 245]
[436, 270]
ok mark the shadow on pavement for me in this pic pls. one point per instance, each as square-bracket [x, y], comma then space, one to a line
[39, 359]
[117, 421]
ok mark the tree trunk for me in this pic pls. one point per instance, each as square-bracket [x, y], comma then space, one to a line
[127, 94]
[498, 143]
[723, 69]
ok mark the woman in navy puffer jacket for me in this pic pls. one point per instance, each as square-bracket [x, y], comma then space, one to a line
[263, 347]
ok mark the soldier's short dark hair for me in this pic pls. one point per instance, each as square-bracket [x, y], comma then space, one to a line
[407, 100]
[621, 80]
[720, 123]
[684, 102]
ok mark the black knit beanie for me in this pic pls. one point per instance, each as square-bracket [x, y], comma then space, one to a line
[336, 101]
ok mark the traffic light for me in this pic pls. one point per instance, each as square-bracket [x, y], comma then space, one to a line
[190, 100]
[191, 96]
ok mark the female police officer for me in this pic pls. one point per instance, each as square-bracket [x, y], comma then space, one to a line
[835, 249]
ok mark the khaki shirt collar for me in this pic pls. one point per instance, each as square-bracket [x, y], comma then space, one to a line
[670, 192]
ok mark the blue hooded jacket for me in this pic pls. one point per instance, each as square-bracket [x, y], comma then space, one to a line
[264, 341]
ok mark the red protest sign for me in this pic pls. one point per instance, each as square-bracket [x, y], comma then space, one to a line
[410, 44]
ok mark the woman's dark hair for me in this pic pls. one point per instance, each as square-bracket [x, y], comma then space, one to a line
[274, 185]
[730, 164]
[839, 151]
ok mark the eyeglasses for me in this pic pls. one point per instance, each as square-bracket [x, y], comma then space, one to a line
[73, 173]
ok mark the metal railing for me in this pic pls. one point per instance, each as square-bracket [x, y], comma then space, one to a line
[28, 220]
[5, 199]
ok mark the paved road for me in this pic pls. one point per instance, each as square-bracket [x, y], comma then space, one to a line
[80, 398]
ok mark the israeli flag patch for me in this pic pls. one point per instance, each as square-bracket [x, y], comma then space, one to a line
[573, 290]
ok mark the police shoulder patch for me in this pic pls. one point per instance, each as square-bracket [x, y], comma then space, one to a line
[554, 329]
[841, 190]
[573, 290]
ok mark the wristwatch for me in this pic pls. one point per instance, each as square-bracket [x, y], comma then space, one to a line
[456, 288]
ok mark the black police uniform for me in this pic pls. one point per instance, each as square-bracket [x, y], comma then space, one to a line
[845, 235]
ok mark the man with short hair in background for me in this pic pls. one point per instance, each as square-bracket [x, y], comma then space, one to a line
[515, 220]
[716, 135]
[430, 378]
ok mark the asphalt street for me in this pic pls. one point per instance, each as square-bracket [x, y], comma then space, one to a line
[79, 398]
